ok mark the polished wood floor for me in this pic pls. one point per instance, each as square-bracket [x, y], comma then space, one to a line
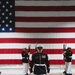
[59, 74]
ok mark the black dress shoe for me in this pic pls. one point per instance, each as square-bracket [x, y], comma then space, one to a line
[26, 74]
[68, 74]
[64, 72]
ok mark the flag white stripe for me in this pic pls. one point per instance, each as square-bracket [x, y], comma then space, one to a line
[10, 56]
[37, 35]
[18, 56]
[44, 3]
[45, 46]
[45, 24]
[45, 14]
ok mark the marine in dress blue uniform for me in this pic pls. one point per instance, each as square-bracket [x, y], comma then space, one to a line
[25, 59]
[39, 64]
[68, 59]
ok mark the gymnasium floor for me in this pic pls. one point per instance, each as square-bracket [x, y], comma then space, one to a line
[31, 74]
[59, 74]
[18, 70]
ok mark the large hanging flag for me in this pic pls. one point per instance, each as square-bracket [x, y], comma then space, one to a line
[47, 23]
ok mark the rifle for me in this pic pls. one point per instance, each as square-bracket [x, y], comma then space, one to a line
[64, 47]
[29, 49]
[36, 47]
[64, 51]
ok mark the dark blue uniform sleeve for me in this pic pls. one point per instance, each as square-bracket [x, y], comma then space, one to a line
[47, 64]
[22, 54]
[69, 56]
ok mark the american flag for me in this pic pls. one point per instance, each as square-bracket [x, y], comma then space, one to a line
[49, 23]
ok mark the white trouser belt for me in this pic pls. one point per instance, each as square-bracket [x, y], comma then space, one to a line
[70, 56]
[40, 65]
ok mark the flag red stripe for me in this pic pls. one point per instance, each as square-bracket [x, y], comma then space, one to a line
[19, 51]
[45, 8]
[9, 61]
[10, 51]
[45, 19]
[61, 62]
[17, 61]
[38, 40]
[48, 30]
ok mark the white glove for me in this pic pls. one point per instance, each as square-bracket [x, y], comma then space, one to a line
[48, 74]
[31, 73]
